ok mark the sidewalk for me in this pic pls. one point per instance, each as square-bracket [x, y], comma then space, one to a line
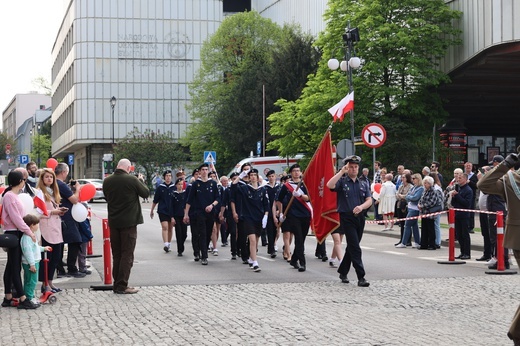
[477, 241]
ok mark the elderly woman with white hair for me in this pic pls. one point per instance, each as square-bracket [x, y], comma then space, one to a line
[430, 202]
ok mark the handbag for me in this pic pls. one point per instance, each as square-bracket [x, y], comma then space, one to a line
[9, 240]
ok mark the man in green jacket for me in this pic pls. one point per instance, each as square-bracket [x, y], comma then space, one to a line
[122, 192]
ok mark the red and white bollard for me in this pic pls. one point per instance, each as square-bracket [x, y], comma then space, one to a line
[501, 270]
[500, 241]
[451, 246]
[107, 254]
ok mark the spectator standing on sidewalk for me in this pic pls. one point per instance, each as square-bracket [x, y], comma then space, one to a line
[484, 219]
[122, 191]
[71, 233]
[462, 198]
[505, 182]
[353, 197]
[12, 214]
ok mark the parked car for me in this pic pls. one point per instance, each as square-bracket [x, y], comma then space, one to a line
[98, 183]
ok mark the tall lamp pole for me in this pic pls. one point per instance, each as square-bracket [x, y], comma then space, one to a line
[350, 36]
[38, 144]
[113, 101]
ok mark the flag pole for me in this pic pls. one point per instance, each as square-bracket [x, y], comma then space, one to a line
[284, 212]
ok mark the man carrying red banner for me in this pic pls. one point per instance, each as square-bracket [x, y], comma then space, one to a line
[298, 215]
[353, 197]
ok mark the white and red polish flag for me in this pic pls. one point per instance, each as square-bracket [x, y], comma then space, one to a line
[339, 110]
[39, 203]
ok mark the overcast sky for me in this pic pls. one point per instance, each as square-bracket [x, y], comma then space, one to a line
[28, 29]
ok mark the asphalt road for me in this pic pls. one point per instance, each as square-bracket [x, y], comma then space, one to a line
[154, 267]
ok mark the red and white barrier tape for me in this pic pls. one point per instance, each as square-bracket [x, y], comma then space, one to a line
[421, 216]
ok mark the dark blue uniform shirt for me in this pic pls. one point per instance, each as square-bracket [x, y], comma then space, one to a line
[351, 193]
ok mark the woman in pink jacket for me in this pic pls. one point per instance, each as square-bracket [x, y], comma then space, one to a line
[50, 226]
[13, 212]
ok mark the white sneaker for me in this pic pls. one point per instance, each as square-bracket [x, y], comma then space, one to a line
[215, 252]
[401, 245]
[276, 248]
[492, 261]
[333, 263]
[415, 245]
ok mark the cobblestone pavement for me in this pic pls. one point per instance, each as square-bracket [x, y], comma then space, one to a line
[442, 311]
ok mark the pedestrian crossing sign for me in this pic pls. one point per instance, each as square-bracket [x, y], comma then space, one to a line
[210, 157]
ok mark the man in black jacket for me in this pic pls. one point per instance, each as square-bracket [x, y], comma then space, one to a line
[462, 198]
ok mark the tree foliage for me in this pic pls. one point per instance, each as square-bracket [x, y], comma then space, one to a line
[247, 54]
[41, 149]
[150, 150]
[401, 43]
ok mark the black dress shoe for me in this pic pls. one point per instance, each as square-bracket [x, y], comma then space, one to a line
[344, 278]
[465, 257]
[483, 258]
[324, 258]
[363, 283]
[458, 257]
[294, 265]
[301, 269]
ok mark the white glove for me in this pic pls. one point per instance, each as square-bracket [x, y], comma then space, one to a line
[297, 193]
[281, 218]
[264, 221]
[243, 174]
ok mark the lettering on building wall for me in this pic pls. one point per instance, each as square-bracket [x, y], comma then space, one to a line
[148, 50]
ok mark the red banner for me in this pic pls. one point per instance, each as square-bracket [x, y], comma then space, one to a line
[318, 173]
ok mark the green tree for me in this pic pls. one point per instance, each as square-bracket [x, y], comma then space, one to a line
[41, 148]
[401, 45]
[246, 54]
[150, 150]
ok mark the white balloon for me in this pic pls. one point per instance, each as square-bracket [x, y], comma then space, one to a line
[79, 212]
[27, 202]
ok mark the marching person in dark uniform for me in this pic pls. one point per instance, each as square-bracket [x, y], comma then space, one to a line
[226, 215]
[202, 199]
[353, 198]
[163, 198]
[254, 212]
[298, 218]
[178, 205]
[271, 187]
[236, 208]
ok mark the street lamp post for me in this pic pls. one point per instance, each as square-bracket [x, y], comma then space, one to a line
[38, 128]
[113, 105]
[350, 36]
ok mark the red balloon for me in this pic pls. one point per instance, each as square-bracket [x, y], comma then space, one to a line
[377, 187]
[87, 192]
[52, 163]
